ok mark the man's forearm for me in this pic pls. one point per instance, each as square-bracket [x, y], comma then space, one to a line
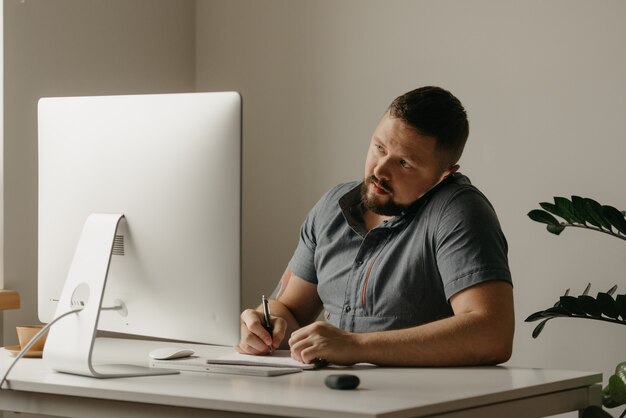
[480, 332]
[466, 339]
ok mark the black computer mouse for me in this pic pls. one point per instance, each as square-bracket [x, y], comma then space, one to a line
[342, 381]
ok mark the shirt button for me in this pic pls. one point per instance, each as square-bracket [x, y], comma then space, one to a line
[348, 309]
[359, 262]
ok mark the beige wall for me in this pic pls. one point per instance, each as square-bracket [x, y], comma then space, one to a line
[1, 160]
[544, 84]
[1, 148]
[76, 47]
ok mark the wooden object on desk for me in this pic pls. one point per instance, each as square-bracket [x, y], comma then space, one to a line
[9, 299]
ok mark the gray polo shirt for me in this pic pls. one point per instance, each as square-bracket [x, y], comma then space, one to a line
[403, 272]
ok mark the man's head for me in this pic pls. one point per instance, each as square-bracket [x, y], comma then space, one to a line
[435, 112]
[417, 144]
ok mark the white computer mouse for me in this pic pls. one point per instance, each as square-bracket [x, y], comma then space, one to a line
[169, 353]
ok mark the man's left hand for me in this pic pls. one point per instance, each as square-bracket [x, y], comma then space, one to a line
[321, 340]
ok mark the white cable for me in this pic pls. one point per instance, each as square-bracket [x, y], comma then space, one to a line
[33, 341]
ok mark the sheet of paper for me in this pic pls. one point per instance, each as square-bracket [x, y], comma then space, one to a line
[280, 358]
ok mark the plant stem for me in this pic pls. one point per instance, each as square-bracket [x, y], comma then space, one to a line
[614, 321]
[595, 228]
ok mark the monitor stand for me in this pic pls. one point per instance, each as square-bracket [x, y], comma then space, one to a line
[69, 347]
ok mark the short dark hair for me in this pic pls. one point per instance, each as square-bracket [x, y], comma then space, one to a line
[434, 112]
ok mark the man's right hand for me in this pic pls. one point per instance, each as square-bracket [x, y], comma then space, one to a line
[254, 337]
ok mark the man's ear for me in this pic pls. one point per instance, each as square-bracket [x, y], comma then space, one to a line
[450, 171]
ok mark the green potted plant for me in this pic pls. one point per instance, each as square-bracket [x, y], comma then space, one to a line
[582, 212]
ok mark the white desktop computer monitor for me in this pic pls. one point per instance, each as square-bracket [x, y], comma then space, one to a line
[169, 167]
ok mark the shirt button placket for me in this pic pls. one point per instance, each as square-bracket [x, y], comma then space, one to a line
[352, 296]
[345, 320]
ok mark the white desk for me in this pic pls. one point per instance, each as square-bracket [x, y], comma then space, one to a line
[384, 392]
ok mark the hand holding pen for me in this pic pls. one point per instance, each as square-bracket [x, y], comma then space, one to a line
[260, 332]
[267, 323]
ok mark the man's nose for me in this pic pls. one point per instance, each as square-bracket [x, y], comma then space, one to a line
[381, 170]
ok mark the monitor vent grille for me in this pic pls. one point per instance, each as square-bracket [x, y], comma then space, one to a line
[118, 245]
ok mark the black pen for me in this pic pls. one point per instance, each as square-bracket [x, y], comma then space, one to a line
[267, 323]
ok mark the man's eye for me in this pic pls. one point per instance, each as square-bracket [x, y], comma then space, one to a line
[404, 164]
[379, 148]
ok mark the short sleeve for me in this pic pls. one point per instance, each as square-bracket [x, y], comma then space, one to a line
[471, 247]
[302, 263]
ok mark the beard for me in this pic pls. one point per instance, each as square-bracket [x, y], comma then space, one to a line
[387, 207]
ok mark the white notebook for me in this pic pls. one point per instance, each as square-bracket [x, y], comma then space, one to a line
[275, 364]
[279, 358]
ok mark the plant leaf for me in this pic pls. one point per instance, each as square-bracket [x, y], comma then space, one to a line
[612, 290]
[586, 291]
[594, 411]
[550, 207]
[558, 302]
[565, 208]
[594, 210]
[542, 216]
[578, 204]
[617, 384]
[607, 305]
[589, 305]
[570, 304]
[620, 304]
[555, 229]
[535, 317]
[615, 217]
[607, 401]
[540, 327]
[554, 312]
